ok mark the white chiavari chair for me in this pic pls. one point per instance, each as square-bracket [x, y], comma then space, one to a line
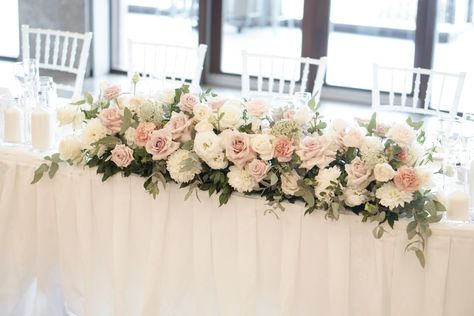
[167, 64]
[404, 91]
[279, 75]
[60, 51]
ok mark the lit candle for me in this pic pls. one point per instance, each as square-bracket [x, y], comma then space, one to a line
[41, 128]
[14, 125]
[457, 205]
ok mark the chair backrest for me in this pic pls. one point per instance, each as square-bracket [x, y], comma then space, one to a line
[59, 51]
[280, 75]
[166, 63]
[439, 96]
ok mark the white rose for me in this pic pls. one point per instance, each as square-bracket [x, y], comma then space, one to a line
[289, 182]
[123, 101]
[303, 115]
[167, 96]
[207, 145]
[70, 115]
[355, 197]
[135, 102]
[425, 175]
[383, 172]
[201, 112]
[257, 108]
[262, 145]
[203, 126]
[130, 136]
[402, 134]
[338, 125]
[92, 132]
[70, 149]
[217, 161]
[353, 138]
[241, 180]
[230, 114]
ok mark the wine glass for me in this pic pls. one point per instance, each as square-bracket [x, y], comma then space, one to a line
[449, 133]
[282, 107]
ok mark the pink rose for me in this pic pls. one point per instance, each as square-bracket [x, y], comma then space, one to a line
[358, 175]
[161, 144]
[407, 179]
[316, 151]
[111, 118]
[122, 155]
[238, 149]
[187, 102]
[283, 149]
[142, 133]
[258, 169]
[111, 92]
[180, 126]
[216, 103]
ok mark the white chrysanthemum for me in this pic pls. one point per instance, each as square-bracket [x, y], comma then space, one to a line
[354, 197]
[241, 180]
[149, 111]
[174, 166]
[217, 161]
[392, 197]
[92, 132]
[130, 136]
[372, 151]
[402, 134]
[201, 112]
[207, 145]
[325, 179]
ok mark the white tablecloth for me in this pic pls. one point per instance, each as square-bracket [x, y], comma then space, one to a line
[77, 245]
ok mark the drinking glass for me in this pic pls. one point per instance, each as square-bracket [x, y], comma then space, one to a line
[301, 99]
[282, 107]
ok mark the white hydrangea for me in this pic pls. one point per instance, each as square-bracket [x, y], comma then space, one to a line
[392, 197]
[241, 180]
[354, 197]
[174, 166]
[402, 134]
[93, 132]
[130, 136]
[323, 181]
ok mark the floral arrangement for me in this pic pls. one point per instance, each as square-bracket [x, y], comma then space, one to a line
[203, 142]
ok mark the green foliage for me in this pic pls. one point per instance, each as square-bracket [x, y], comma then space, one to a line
[51, 168]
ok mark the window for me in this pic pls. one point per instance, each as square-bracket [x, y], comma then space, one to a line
[266, 27]
[9, 21]
[163, 21]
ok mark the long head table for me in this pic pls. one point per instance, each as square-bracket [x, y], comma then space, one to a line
[76, 244]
